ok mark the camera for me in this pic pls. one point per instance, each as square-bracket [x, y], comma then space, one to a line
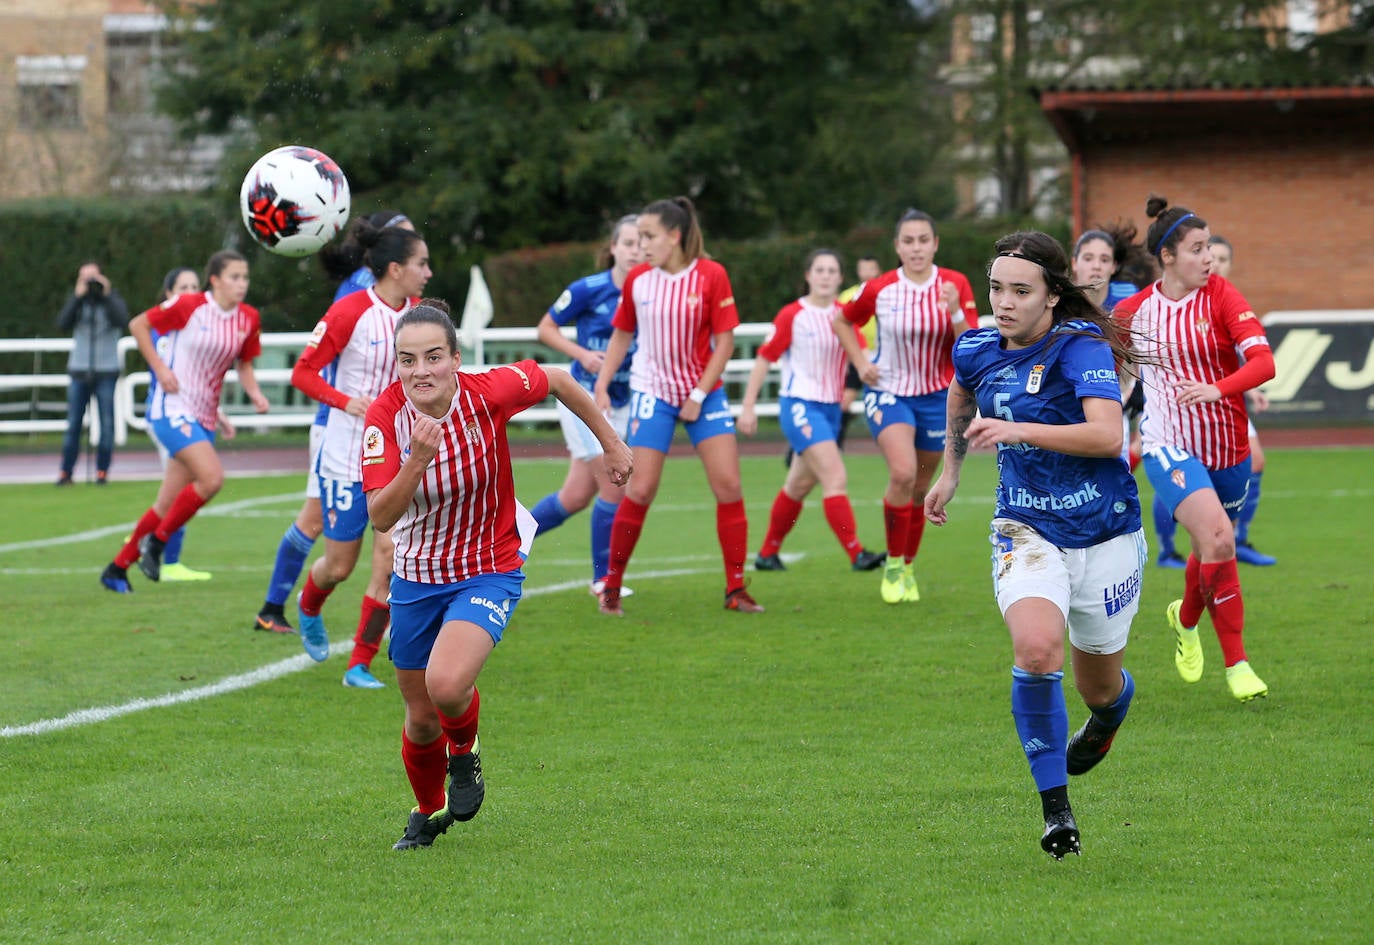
[95, 288]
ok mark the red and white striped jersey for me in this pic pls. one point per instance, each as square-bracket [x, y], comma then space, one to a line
[915, 330]
[463, 518]
[358, 332]
[675, 316]
[1200, 337]
[804, 345]
[200, 342]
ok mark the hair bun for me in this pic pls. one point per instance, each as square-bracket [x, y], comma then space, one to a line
[1155, 205]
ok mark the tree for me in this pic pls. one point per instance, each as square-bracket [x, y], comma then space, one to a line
[508, 124]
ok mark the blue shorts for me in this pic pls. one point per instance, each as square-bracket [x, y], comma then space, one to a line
[177, 433]
[652, 421]
[926, 413]
[807, 422]
[1176, 474]
[344, 508]
[419, 612]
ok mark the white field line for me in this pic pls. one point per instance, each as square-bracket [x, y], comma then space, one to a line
[292, 664]
[92, 534]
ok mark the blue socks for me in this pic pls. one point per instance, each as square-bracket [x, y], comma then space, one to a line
[291, 554]
[1042, 722]
[1164, 526]
[603, 515]
[549, 513]
[172, 553]
[1247, 511]
[1113, 715]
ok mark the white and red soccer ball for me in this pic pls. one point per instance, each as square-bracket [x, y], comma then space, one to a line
[294, 200]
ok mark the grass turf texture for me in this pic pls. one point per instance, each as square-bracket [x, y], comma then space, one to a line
[835, 770]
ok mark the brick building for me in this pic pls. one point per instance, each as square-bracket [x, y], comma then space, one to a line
[1287, 174]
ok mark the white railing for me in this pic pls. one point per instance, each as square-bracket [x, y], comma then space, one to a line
[495, 346]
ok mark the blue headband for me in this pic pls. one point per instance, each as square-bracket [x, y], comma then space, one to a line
[1159, 247]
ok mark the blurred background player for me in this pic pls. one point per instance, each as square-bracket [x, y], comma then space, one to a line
[589, 303]
[437, 473]
[809, 411]
[920, 308]
[203, 335]
[678, 306]
[1191, 329]
[1044, 381]
[358, 336]
[342, 260]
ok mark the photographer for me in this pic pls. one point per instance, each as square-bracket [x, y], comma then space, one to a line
[96, 316]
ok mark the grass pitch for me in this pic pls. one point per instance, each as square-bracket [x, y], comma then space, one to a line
[835, 770]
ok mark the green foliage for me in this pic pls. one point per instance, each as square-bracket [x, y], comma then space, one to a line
[765, 273]
[505, 125]
[833, 771]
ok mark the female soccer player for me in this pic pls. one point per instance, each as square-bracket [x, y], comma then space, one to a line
[1190, 330]
[921, 308]
[436, 469]
[204, 334]
[589, 304]
[357, 336]
[181, 281]
[813, 371]
[343, 260]
[1068, 548]
[683, 308]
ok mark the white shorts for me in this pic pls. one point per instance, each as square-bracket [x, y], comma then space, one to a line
[582, 443]
[1097, 589]
[312, 480]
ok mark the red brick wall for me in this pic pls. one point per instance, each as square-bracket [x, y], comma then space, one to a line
[1298, 207]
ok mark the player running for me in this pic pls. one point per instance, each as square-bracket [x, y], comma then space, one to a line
[589, 304]
[1068, 549]
[437, 472]
[202, 336]
[357, 334]
[921, 308]
[813, 371]
[1190, 330]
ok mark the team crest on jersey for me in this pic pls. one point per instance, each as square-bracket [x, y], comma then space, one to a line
[473, 432]
[373, 445]
[1037, 377]
[693, 300]
[1203, 324]
[1177, 478]
[317, 334]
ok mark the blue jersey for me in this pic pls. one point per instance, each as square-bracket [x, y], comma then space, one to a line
[1118, 292]
[1073, 501]
[590, 302]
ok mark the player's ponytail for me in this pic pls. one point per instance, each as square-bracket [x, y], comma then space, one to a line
[679, 214]
[341, 258]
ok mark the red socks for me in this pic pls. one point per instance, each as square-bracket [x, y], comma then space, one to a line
[897, 523]
[1221, 589]
[462, 731]
[313, 596]
[625, 529]
[840, 515]
[426, 766]
[915, 529]
[786, 511]
[732, 528]
[185, 505]
[371, 626]
[129, 553]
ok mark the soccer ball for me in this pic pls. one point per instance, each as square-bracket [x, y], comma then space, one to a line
[294, 200]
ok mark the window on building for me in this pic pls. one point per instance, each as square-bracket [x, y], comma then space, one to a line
[49, 91]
